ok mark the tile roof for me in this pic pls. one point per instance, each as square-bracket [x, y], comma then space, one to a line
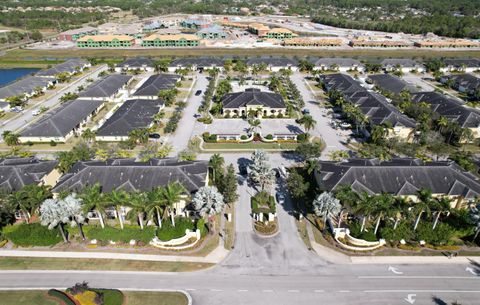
[68, 66]
[137, 62]
[107, 86]
[398, 177]
[373, 105]
[23, 86]
[451, 109]
[133, 114]
[391, 83]
[105, 38]
[15, 173]
[171, 37]
[156, 83]
[253, 97]
[131, 176]
[61, 120]
[272, 61]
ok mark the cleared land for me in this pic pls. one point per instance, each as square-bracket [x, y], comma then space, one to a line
[36, 263]
[34, 297]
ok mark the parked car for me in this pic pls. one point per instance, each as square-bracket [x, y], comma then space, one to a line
[198, 92]
[280, 198]
[154, 136]
[345, 125]
[306, 111]
[35, 112]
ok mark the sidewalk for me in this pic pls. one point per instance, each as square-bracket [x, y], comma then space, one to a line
[213, 257]
[338, 257]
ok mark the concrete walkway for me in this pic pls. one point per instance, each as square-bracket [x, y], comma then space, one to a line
[213, 257]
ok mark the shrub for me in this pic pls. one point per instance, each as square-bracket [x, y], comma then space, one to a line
[269, 137]
[243, 137]
[53, 143]
[213, 138]
[404, 231]
[302, 138]
[168, 231]
[111, 296]
[365, 235]
[119, 235]
[202, 227]
[440, 236]
[206, 136]
[32, 235]
[61, 296]
[280, 115]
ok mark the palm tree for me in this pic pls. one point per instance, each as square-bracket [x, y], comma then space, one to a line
[88, 135]
[254, 125]
[118, 198]
[364, 206]
[442, 123]
[138, 207]
[440, 206]
[308, 122]
[384, 203]
[423, 206]
[156, 204]
[93, 199]
[33, 196]
[216, 163]
[172, 194]
[396, 211]
[310, 166]
[16, 201]
[10, 138]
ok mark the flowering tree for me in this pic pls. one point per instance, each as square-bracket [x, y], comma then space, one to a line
[208, 201]
[74, 211]
[475, 217]
[260, 171]
[326, 205]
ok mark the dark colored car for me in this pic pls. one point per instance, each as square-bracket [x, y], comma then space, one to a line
[198, 92]
[154, 136]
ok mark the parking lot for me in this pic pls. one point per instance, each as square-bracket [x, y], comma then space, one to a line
[240, 126]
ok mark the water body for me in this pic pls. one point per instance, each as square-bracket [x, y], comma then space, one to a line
[9, 75]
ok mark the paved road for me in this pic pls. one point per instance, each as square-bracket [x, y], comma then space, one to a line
[322, 129]
[27, 117]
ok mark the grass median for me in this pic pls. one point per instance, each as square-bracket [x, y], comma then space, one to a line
[39, 297]
[41, 263]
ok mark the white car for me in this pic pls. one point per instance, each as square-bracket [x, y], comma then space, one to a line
[345, 125]
[35, 112]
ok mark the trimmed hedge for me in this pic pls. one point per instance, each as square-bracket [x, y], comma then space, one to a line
[110, 296]
[32, 235]
[168, 232]
[119, 235]
[62, 296]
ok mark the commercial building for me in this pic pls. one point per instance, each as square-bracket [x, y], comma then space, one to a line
[213, 32]
[106, 41]
[402, 177]
[75, 34]
[132, 115]
[264, 104]
[181, 40]
[106, 89]
[154, 84]
[61, 123]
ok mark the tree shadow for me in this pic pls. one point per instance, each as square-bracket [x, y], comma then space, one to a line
[291, 156]
[294, 129]
[475, 266]
[438, 301]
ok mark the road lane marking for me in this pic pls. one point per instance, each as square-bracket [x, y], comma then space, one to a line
[293, 290]
[215, 290]
[422, 291]
[344, 291]
[267, 290]
[242, 290]
[319, 291]
[190, 289]
[416, 277]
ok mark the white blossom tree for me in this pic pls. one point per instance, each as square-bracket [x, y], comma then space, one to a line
[74, 210]
[208, 201]
[326, 205]
[52, 214]
[475, 217]
[261, 172]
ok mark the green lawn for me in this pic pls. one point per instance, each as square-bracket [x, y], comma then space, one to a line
[37, 263]
[252, 146]
[34, 297]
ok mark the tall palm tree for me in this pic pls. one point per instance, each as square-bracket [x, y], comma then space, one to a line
[254, 125]
[366, 207]
[310, 166]
[118, 198]
[172, 194]
[88, 135]
[216, 163]
[93, 199]
[308, 122]
[16, 201]
[156, 204]
[440, 206]
[423, 206]
[442, 123]
[384, 203]
[399, 207]
[138, 207]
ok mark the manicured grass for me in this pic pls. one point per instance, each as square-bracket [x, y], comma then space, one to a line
[230, 228]
[252, 146]
[34, 297]
[109, 53]
[40, 263]
[157, 298]
[302, 231]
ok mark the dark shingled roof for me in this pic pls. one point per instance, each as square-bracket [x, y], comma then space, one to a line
[137, 62]
[131, 176]
[459, 63]
[391, 83]
[272, 61]
[62, 120]
[68, 66]
[156, 83]
[106, 86]
[340, 61]
[403, 62]
[253, 97]
[373, 105]
[398, 177]
[199, 62]
[23, 86]
[133, 114]
[451, 109]
[15, 173]
[467, 81]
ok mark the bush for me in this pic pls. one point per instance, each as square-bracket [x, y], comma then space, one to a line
[110, 296]
[440, 236]
[168, 231]
[53, 143]
[243, 137]
[269, 137]
[206, 136]
[404, 231]
[355, 232]
[280, 115]
[32, 235]
[119, 235]
[201, 225]
[65, 299]
[302, 138]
